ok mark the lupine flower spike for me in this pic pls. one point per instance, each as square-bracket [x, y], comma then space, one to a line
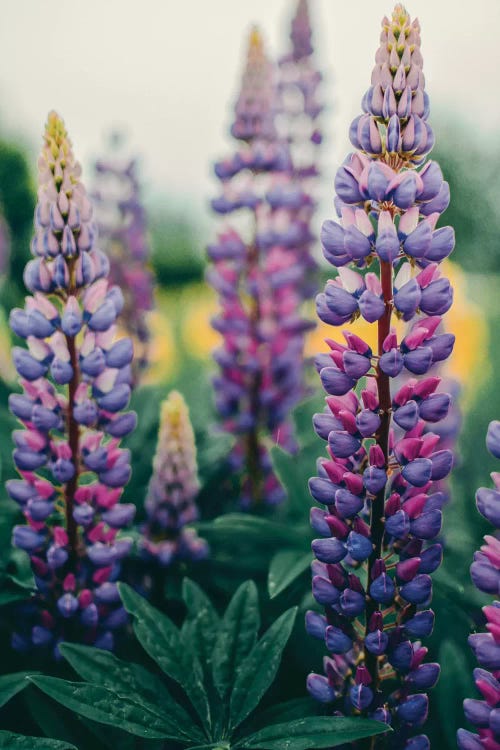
[298, 124]
[257, 271]
[123, 236]
[75, 377]
[375, 551]
[484, 714]
[171, 498]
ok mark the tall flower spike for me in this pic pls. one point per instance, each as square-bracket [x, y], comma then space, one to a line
[75, 377]
[123, 236]
[376, 547]
[257, 271]
[170, 502]
[298, 125]
[484, 714]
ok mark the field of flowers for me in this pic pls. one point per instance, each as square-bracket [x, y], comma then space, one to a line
[246, 499]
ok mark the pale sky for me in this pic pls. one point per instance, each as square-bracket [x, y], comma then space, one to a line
[168, 70]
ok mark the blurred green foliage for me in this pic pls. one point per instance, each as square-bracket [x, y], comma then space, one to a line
[471, 166]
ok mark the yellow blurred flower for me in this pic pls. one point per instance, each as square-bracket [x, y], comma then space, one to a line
[198, 336]
[163, 354]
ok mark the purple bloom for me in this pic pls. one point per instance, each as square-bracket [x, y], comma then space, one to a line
[380, 481]
[485, 573]
[262, 281]
[123, 237]
[68, 327]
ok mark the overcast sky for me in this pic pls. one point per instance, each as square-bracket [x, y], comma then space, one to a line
[168, 71]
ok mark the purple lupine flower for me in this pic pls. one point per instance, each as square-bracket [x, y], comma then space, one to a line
[485, 573]
[171, 499]
[122, 225]
[75, 377]
[380, 482]
[259, 282]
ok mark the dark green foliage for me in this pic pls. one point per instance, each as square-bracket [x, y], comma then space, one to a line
[215, 674]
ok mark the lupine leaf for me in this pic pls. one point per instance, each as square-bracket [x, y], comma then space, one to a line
[253, 529]
[294, 473]
[11, 741]
[312, 732]
[202, 622]
[295, 708]
[162, 641]
[60, 723]
[237, 636]
[105, 669]
[11, 684]
[455, 684]
[259, 669]
[286, 566]
[107, 707]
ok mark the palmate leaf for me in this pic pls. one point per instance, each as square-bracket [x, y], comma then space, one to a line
[162, 641]
[11, 684]
[259, 668]
[312, 732]
[11, 741]
[286, 566]
[201, 624]
[237, 636]
[126, 678]
[107, 707]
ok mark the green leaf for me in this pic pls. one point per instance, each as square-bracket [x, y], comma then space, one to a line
[286, 566]
[254, 529]
[11, 684]
[107, 707]
[10, 741]
[202, 623]
[259, 669]
[294, 473]
[162, 641]
[105, 669]
[455, 684]
[61, 723]
[295, 708]
[313, 732]
[237, 636]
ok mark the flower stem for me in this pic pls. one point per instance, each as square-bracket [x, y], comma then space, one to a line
[377, 509]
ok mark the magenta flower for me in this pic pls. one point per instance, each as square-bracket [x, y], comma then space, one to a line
[380, 483]
[75, 376]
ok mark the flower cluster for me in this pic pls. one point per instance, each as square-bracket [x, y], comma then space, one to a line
[298, 90]
[170, 502]
[75, 377]
[257, 272]
[376, 547]
[121, 221]
[485, 572]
